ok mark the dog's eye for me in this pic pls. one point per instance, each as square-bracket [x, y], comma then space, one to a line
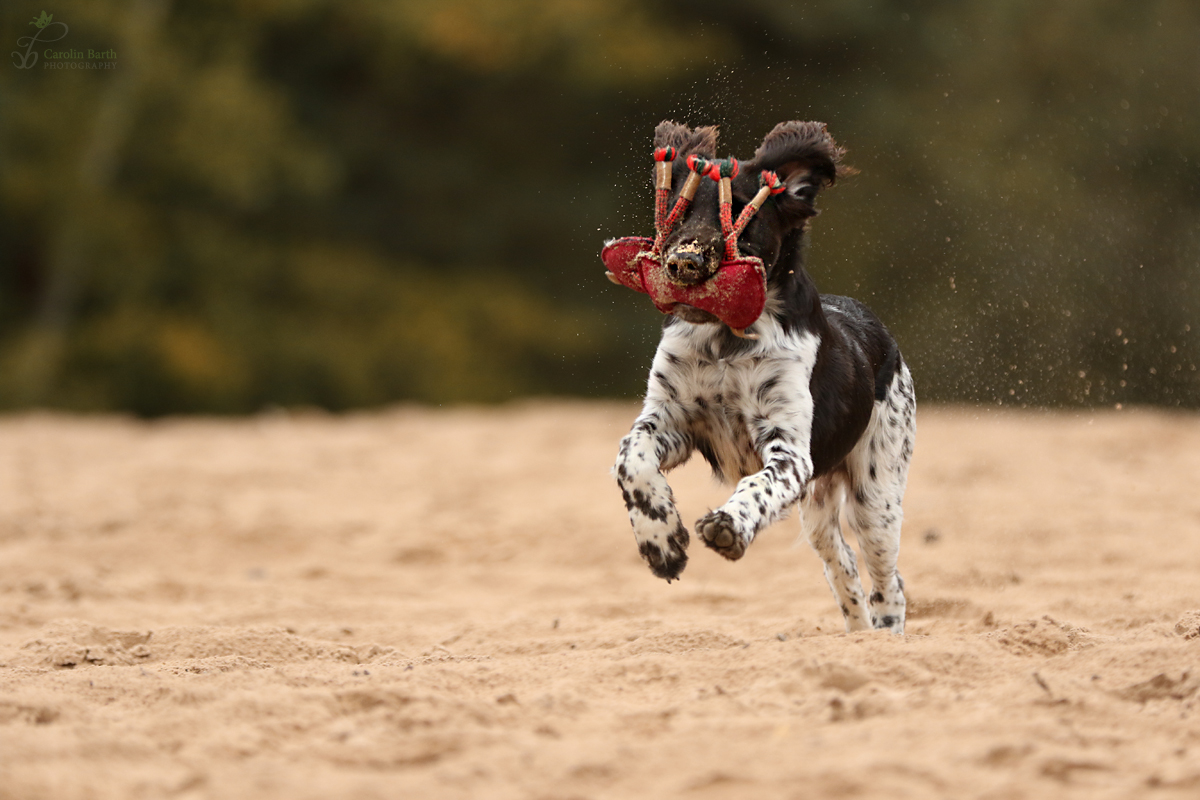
[804, 191]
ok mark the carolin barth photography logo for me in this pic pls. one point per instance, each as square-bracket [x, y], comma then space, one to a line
[48, 31]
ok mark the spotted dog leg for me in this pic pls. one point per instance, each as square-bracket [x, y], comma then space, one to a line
[758, 500]
[878, 535]
[820, 516]
[878, 469]
[652, 446]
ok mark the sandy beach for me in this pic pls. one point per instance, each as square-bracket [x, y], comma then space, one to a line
[429, 603]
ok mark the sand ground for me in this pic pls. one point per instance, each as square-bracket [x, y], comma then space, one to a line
[448, 604]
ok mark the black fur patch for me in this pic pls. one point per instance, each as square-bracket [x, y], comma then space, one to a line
[643, 504]
[669, 564]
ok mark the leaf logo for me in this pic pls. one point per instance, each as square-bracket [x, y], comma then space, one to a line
[29, 58]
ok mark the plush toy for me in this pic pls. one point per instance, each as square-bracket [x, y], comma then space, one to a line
[737, 292]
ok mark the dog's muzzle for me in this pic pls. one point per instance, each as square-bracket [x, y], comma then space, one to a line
[687, 265]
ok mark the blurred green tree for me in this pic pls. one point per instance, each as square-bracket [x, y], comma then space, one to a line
[353, 203]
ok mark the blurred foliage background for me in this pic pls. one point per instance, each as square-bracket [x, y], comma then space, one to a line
[346, 203]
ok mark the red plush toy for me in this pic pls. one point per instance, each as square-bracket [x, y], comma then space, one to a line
[737, 292]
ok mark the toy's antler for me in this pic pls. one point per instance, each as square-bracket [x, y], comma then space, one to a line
[664, 222]
[771, 185]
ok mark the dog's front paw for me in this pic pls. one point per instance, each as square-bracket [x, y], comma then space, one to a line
[666, 557]
[718, 531]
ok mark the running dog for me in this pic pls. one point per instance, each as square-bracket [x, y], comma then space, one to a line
[811, 404]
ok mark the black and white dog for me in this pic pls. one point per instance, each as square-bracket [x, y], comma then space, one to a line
[817, 410]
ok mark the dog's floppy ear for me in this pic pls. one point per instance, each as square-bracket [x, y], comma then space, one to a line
[701, 141]
[806, 158]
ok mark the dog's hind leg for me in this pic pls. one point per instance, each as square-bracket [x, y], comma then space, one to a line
[820, 518]
[878, 469]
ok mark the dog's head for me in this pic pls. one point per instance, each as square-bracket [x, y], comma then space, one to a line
[802, 154]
